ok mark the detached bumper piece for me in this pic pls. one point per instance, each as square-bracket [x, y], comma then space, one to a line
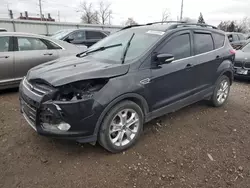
[67, 120]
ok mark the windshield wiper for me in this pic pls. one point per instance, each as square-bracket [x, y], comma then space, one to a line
[97, 49]
[126, 48]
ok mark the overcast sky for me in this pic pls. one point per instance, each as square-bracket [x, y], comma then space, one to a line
[142, 11]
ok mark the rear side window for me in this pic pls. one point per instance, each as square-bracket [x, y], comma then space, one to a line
[241, 37]
[94, 35]
[51, 45]
[4, 44]
[178, 46]
[219, 40]
[203, 43]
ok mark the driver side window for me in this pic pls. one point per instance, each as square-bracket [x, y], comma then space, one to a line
[78, 35]
[179, 46]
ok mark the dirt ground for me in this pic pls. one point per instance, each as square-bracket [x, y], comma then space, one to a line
[198, 146]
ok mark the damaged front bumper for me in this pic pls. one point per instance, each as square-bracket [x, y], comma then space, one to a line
[75, 120]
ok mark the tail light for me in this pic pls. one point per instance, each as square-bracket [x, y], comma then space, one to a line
[232, 51]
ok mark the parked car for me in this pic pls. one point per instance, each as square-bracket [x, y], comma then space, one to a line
[242, 62]
[21, 51]
[237, 40]
[2, 30]
[81, 36]
[131, 77]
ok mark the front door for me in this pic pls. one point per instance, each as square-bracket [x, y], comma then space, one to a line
[175, 81]
[6, 60]
[29, 53]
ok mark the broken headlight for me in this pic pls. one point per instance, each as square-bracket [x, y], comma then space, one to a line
[81, 90]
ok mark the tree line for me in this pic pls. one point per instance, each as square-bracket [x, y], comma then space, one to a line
[102, 14]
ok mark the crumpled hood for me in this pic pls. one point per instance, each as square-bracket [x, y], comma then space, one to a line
[71, 69]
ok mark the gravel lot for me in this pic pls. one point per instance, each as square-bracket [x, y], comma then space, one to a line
[198, 146]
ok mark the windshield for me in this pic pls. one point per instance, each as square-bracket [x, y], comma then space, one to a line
[246, 48]
[59, 35]
[143, 39]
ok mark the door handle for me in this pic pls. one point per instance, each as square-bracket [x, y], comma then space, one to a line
[48, 54]
[217, 57]
[4, 57]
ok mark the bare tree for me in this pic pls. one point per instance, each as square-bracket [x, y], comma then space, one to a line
[104, 12]
[130, 21]
[89, 16]
[165, 15]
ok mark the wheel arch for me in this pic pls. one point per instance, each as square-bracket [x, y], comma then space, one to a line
[226, 68]
[136, 98]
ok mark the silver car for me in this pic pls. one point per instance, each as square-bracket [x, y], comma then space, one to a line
[19, 52]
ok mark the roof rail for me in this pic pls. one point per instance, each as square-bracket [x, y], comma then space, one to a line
[166, 22]
[193, 24]
[130, 26]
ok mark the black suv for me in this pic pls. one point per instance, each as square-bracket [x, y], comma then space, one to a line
[139, 73]
[81, 36]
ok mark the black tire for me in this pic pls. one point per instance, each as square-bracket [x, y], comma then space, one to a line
[104, 134]
[214, 99]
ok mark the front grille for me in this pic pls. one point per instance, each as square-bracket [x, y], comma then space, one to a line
[29, 111]
[238, 64]
[247, 65]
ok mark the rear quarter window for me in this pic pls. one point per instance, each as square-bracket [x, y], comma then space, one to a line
[219, 40]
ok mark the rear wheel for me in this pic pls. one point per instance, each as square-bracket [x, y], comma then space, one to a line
[221, 91]
[121, 127]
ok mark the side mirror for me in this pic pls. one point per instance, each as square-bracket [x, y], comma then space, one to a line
[230, 39]
[164, 58]
[69, 39]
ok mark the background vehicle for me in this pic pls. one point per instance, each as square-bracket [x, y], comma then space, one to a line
[237, 40]
[99, 96]
[81, 36]
[242, 62]
[19, 52]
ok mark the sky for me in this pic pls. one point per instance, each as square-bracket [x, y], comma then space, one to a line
[142, 11]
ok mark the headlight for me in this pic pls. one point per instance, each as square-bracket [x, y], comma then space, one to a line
[81, 90]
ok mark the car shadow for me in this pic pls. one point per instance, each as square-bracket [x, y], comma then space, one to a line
[9, 91]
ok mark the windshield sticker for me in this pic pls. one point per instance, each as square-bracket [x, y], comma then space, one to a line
[155, 32]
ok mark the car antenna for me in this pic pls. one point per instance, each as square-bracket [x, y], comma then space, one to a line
[126, 48]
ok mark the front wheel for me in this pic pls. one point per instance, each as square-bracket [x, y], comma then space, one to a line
[121, 127]
[221, 91]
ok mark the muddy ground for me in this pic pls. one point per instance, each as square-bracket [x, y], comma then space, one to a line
[198, 146]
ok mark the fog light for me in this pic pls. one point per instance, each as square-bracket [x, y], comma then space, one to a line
[63, 126]
[56, 127]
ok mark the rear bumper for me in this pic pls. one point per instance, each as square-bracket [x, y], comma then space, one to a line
[39, 111]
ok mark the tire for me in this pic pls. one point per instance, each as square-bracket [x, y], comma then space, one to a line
[113, 127]
[220, 90]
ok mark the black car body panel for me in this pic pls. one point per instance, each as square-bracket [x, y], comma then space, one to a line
[80, 91]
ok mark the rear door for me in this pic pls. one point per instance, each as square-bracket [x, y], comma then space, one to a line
[31, 52]
[93, 36]
[207, 59]
[6, 59]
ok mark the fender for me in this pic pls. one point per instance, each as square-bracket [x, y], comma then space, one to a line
[225, 66]
[117, 100]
